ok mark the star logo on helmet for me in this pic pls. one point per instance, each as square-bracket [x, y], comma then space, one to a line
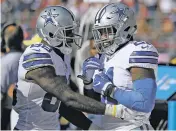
[119, 11]
[50, 18]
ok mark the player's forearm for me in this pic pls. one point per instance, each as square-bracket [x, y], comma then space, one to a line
[92, 94]
[61, 90]
[70, 114]
[56, 85]
[84, 103]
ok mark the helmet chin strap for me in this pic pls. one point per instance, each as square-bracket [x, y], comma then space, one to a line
[44, 37]
[111, 54]
[64, 49]
[112, 49]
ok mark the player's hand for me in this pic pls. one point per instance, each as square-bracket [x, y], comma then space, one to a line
[89, 66]
[103, 85]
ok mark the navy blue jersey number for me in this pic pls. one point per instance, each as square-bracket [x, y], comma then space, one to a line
[50, 103]
[47, 48]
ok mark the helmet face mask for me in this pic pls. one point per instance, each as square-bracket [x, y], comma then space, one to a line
[114, 26]
[61, 30]
[104, 37]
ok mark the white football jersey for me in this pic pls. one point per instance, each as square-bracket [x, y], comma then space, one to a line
[38, 110]
[134, 54]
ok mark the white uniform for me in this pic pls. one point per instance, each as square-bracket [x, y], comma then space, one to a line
[138, 54]
[37, 109]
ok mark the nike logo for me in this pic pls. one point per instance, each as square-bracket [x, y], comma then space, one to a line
[36, 50]
[109, 17]
[97, 84]
[143, 47]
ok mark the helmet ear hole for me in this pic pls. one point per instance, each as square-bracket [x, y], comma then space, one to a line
[127, 29]
[51, 35]
[128, 36]
[135, 26]
[114, 29]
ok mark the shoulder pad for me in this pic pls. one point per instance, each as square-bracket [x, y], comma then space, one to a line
[39, 47]
[37, 55]
[143, 55]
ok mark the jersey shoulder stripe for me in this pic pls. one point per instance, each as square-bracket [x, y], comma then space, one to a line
[37, 63]
[144, 53]
[144, 57]
[36, 56]
[35, 60]
[143, 60]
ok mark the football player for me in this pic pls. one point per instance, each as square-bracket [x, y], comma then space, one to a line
[44, 75]
[126, 70]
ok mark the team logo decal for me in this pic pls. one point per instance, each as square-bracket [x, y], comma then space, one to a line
[50, 18]
[120, 12]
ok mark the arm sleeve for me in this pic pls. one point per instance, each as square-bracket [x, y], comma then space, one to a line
[139, 99]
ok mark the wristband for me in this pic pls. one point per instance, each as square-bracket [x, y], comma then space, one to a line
[87, 82]
[114, 110]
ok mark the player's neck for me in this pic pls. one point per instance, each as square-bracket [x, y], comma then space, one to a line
[58, 52]
[123, 45]
[119, 48]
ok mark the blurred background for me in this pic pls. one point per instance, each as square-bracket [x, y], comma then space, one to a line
[156, 21]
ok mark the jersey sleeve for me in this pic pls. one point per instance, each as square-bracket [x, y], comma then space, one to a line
[143, 55]
[35, 56]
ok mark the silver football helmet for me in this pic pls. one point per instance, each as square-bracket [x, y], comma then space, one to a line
[57, 26]
[114, 25]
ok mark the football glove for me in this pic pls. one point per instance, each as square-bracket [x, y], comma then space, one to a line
[103, 85]
[89, 66]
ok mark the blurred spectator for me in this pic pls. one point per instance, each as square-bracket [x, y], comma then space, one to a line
[151, 6]
[144, 30]
[130, 3]
[166, 6]
[35, 39]
[87, 20]
[78, 8]
[13, 38]
[167, 26]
